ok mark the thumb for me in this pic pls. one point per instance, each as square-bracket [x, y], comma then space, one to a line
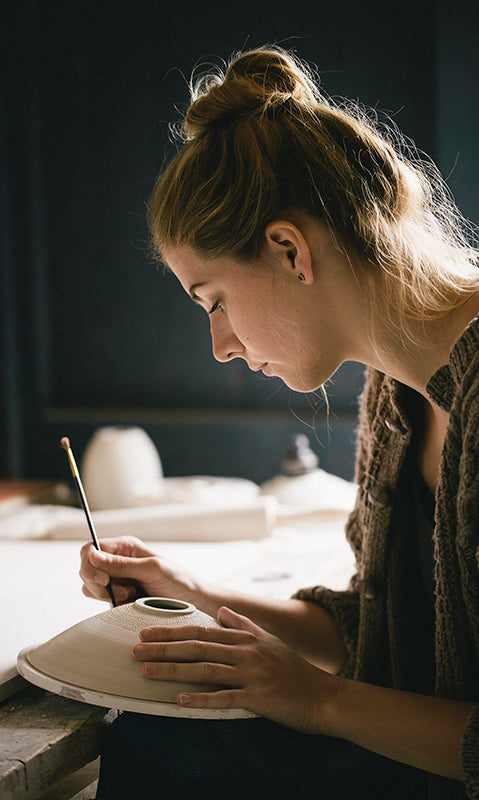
[231, 619]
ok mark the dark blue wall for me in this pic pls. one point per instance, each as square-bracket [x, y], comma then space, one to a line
[92, 333]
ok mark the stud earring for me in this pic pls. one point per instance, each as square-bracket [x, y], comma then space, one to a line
[300, 277]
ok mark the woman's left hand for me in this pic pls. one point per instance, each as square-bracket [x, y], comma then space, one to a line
[259, 672]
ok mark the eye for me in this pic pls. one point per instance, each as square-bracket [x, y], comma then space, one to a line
[215, 306]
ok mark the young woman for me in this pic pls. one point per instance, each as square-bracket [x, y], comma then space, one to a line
[310, 238]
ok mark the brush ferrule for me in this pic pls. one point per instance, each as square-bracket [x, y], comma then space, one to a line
[73, 465]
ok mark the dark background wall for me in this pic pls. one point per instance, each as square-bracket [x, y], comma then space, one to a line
[92, 333]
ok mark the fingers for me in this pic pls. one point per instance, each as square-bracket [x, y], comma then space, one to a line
[190, 644]
[117, 566]
[192, 651]
[119, 563]
[121, 551]
[195, 672]
[227, 698]
[190, 662]
[203, 633]
[193, 643]
[94, 574]
[122, 594]
[221, 657]
[196, 654]
[120, 545]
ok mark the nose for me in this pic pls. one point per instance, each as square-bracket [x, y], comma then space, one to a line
[224, 341]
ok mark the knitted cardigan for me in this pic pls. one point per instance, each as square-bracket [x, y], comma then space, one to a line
[393, 635]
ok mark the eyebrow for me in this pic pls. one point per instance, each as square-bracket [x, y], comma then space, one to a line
[192, 292]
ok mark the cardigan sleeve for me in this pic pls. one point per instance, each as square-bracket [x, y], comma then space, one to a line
[344, 608]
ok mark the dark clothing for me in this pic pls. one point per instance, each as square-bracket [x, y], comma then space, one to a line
[151, 758]
[393, 635]
[424, 508]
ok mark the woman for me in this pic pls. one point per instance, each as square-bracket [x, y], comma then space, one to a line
[311, 238]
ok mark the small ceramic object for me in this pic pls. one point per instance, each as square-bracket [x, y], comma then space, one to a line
[303, 488]
[300, 477]
[299, 459]
[119, 463]
[91, 661]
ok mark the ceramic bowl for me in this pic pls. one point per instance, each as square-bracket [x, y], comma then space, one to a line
[91, 661]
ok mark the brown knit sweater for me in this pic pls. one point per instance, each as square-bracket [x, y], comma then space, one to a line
[394, 636]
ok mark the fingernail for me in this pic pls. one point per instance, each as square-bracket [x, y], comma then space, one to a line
[102, 580]
[100, 555]
[138, 650]
[151, 669]
[184, 699]
[146, 634]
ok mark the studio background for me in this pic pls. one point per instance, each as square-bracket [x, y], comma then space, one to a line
[92, 333]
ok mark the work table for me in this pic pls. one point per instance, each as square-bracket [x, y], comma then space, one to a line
[44, 737]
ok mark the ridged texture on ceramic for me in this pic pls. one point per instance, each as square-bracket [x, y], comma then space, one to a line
[133, 617]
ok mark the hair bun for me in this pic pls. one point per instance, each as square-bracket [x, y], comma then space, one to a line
[256, 83]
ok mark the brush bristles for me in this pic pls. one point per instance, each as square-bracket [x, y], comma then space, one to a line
[65, 442]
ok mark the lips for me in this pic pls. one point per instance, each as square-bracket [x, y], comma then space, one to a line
[262, 368]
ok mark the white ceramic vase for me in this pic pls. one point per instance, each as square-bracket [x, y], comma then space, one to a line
[119, 463]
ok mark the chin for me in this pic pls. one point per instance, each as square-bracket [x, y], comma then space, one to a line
[306, 383]
[302, 386]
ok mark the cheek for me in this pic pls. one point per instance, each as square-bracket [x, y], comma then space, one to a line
[263, 322]
[252, 326]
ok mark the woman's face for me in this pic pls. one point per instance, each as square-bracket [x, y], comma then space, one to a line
[262, 313]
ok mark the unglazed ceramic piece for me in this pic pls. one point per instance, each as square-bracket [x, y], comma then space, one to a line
[118, 462]
[91, 661]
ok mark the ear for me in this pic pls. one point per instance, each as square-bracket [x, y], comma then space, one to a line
[287, 244]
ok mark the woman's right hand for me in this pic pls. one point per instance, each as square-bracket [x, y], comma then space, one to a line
[134, 571]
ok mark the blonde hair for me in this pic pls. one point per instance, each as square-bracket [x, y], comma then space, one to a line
[261, 141]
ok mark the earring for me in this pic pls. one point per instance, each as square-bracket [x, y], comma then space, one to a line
[290, 255]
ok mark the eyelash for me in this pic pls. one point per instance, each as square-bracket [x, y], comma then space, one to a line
[215, 306]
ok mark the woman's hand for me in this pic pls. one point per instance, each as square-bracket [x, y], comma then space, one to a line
[133, 571]
[259, 672]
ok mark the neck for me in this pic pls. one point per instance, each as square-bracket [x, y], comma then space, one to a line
[414, 365]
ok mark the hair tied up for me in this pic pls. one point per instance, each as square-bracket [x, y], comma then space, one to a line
[265, 144]
[256, 84]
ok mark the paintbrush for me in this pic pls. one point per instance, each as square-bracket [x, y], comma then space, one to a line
[65, 443]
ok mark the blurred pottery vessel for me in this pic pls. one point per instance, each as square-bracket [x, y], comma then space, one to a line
[119, 463]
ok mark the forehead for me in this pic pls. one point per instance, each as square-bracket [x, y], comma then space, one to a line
[183, 261]
[193, 269]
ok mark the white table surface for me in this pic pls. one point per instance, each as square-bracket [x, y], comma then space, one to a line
[40, 589]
